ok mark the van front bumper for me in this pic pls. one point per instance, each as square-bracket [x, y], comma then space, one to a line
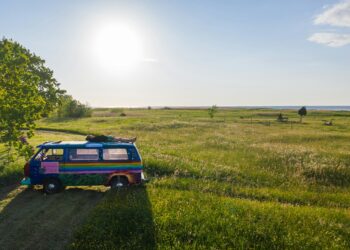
[26, 181]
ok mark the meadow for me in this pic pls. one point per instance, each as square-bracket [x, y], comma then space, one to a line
[240, 180]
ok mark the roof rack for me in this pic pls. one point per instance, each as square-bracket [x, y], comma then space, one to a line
[47, 142]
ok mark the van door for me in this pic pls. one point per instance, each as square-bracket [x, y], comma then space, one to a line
[46, 161]
[34, 167]
[51, 160]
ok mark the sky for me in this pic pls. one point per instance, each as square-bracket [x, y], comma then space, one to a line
[189, 53]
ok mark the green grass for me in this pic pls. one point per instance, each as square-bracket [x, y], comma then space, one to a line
[240, 180]
[170, 218]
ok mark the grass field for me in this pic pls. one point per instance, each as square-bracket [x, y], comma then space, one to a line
[240, 180]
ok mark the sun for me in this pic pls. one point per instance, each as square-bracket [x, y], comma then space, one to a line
[117, 47]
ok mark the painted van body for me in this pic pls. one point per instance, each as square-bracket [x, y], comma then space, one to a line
[72, 163]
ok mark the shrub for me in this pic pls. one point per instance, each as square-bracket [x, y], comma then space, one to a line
[71, 108]
[212, 111]
[302, 112]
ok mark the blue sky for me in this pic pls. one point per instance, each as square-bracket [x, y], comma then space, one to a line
[193, 52]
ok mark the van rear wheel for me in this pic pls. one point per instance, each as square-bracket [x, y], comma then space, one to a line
[52, 186]
[119, 182]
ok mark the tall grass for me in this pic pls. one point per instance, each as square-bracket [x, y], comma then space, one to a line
[180, 219]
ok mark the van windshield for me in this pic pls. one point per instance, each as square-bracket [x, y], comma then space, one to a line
[50, 154]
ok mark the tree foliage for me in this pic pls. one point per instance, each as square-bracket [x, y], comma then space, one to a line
[71, 108]
[28, 91]
[212, 111]
[302, 112]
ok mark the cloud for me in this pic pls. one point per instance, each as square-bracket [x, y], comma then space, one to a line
[330, 39]
[336, 15]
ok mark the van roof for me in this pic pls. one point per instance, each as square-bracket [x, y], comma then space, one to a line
[83, 144]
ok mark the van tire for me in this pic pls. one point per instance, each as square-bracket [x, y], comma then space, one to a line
[52, 186]
[118, 182]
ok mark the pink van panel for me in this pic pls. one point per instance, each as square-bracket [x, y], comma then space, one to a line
[50, 167]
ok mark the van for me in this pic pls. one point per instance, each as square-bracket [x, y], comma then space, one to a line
[77, 163]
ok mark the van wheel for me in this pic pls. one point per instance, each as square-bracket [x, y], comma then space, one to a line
[119, 182]
[52, 186]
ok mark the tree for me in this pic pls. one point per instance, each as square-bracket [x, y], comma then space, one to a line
[280, 117]
[72, 108]
[302, 112]
[28, 91]
[212, 110]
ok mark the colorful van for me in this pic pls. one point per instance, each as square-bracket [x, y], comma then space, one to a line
[75, 163]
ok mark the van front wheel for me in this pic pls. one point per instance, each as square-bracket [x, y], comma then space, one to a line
[52, 186]
[119, 182]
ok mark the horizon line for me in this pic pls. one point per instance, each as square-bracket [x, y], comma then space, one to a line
[347, 107]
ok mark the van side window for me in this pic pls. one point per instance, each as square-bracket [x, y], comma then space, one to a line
[83, 154]
[115, 154]
[51, 154]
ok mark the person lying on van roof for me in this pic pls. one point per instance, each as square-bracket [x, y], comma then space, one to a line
[104, 138]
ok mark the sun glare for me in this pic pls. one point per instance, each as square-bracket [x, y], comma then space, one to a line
[117, 47]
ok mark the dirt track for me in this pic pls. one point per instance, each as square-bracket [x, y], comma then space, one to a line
[30, 219]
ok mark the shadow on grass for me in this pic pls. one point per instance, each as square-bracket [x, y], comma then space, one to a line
[124, 220]
[61, 119]
[4, 191]
[32, 220]
[10, 176]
